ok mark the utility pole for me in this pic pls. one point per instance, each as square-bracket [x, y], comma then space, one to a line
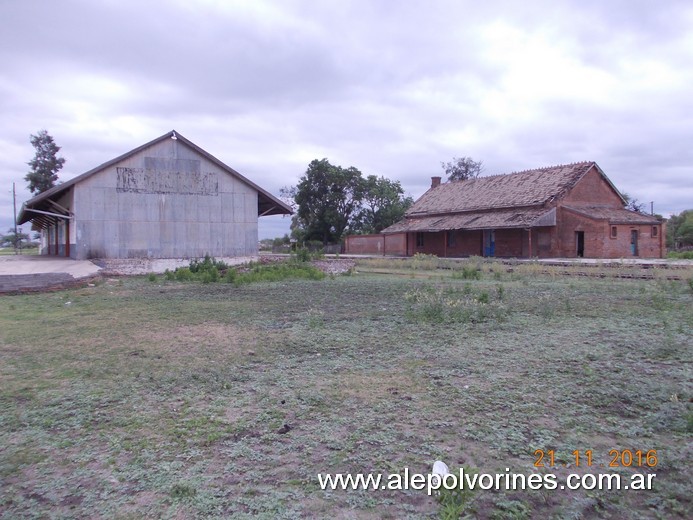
[14, 203]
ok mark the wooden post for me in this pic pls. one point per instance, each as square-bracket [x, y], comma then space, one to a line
[67, 238]
[57, 246]
[530, 242]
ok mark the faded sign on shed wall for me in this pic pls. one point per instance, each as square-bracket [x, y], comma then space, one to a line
[162, 175]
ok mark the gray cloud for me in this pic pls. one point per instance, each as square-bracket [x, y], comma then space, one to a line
[391, 88]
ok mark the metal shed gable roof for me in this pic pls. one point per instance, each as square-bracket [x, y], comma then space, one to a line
[268, 204]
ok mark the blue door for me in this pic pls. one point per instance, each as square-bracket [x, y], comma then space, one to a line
[489, 242]
[634, 242]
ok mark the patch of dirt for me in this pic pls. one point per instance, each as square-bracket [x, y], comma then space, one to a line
[334, 266]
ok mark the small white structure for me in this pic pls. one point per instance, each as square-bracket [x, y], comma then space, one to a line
[166, 199]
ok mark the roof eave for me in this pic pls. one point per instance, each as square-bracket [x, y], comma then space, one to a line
[282, 208]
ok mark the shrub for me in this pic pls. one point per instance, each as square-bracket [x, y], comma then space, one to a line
[468, 272]
[212, 271]
[183, 274]
[301, 255]
[210, 276]
[151, 277]
[169, 275]
[208, 263]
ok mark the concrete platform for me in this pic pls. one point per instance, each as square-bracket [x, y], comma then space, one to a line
[33, 273]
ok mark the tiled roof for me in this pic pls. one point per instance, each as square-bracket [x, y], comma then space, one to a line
[527, 188]
[614, 215]
[506, 218]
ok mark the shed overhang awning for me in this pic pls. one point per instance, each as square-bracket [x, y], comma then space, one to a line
[512, 218]
[44, 212]
[614, 215]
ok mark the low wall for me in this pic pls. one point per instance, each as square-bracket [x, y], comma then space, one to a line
[394, 245]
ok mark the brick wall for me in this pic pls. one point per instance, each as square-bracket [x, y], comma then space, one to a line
[465, 243]
[649, 244]
[433, 244]
[509, 243]
[599, 242]
[364, 245]
[593, 190]
[395, 244]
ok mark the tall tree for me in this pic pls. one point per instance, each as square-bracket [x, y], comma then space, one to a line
[327, 197]
[462, 168]
[680, 230]
[383, 204]
[45, 164]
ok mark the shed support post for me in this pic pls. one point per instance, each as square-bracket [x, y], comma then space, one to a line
[67, 239]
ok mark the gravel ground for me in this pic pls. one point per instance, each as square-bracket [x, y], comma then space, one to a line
[334, 266]
[139, 266]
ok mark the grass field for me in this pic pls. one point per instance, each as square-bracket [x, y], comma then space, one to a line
[4, 251]
[164, 399]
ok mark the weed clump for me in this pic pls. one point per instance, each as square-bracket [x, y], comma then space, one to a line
[183, 274]
[277, 272]
[210, 270]
[451, 305]
[468, 272]
[182, 491]
[422, 261]
[455, 501]
[207, 264]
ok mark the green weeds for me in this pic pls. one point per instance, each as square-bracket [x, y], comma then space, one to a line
[210, 270]
[170, 399]
[453, 305]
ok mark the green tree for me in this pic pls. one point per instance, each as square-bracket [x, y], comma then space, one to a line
[680, 230]
[12, 240]
[462, 168]
[383, 204]
[330, 200]
[45, 164]
[327, 198]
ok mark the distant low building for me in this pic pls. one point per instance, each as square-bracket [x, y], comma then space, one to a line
[557, 212]
[166, 199]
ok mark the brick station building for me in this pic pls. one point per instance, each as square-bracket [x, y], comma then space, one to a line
[562, 211]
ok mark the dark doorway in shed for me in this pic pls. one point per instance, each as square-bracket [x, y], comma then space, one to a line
[634, 242]
[489, 242]
[580, 243]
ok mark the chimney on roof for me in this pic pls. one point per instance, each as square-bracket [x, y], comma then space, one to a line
[435, 181]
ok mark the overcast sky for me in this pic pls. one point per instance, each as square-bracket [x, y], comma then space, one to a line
[390, 87]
